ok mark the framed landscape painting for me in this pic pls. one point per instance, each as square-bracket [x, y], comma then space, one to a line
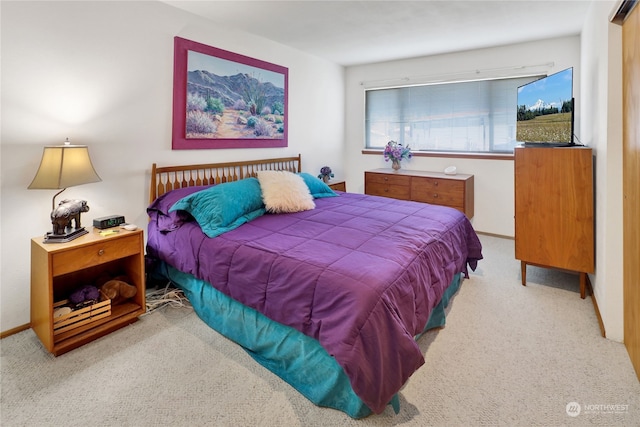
[225, 100]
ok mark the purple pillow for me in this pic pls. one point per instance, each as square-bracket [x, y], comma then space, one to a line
[159, 209]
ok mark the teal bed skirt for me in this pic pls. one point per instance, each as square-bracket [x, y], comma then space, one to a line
[296, 358]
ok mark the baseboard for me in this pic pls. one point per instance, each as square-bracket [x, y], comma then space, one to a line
[14, 330]
[595, 307]
[502, 236]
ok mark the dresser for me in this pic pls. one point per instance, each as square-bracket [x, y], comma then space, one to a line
[554, 209]
[436, 188]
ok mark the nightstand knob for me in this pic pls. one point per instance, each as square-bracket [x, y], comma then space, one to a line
[436, 183]
[101, 252]
[386, 179]
[435, 196]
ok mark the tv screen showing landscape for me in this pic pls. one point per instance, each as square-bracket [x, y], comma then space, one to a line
[545, 109]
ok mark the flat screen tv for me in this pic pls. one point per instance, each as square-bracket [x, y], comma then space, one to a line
[545, 111]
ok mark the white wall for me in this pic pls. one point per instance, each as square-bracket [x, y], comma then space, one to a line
[602, 102]
[101, 73]
[494, 191]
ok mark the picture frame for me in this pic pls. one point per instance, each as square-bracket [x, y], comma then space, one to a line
[223, 99]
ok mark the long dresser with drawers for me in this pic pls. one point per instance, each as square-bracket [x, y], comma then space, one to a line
[437, 188]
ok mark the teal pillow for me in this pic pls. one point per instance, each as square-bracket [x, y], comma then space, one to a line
[224, 207]
[317, 187]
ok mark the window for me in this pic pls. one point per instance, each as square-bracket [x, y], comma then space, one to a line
[474, 116]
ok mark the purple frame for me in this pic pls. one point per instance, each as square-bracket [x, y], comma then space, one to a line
[215, 57]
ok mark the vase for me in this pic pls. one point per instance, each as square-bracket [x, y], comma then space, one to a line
[395, 164]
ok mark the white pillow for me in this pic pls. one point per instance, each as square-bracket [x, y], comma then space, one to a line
[284, 191]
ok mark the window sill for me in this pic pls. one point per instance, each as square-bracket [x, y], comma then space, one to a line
[449, 154]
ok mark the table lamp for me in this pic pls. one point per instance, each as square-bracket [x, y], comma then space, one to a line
[65, 166]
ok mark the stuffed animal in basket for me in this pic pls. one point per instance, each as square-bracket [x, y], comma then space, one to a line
[118, 290]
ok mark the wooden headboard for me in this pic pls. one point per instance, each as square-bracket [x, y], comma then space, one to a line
[167, 178]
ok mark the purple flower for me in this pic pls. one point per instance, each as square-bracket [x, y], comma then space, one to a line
[325, 171]
[396, 151]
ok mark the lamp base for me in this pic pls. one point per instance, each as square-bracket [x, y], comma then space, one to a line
[66, 237]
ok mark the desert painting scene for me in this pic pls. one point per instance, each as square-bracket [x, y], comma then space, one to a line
[231, 100]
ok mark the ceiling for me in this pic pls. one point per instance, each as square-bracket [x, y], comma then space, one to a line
[360, 32]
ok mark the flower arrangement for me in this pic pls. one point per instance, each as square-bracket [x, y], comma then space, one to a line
[325, 173]
[396, 152]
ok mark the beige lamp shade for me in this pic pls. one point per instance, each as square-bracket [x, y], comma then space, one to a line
[64, 166]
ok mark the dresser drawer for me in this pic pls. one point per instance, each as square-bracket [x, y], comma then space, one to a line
[438, 191]
[384, 178]
[386, 190]
[387, 185]
[98, 253]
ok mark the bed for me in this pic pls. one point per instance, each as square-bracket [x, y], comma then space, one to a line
[330, 296]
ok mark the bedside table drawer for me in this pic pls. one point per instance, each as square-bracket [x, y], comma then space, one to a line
[98, 253]
[338, 185]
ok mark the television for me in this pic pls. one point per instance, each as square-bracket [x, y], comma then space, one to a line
[545, 111]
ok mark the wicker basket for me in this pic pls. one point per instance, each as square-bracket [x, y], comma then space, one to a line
[81, 316]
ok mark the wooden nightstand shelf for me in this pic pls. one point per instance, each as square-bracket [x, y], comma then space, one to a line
[60, 268]
[338, 185]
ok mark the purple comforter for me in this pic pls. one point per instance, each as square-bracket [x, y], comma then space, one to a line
[361, 274]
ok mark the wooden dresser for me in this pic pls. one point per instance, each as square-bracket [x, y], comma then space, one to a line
[554, 209]
[455, 191]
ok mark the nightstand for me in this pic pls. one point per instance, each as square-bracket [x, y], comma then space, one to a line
[58, 269]
[338, 185]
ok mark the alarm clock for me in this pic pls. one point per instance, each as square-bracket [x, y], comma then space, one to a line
[108, 221]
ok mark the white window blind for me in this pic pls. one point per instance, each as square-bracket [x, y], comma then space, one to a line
[475, 116]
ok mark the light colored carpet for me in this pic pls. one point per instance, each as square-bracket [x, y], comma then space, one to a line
[509, 355]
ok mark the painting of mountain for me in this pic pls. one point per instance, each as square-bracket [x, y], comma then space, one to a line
[232, 106]
[227, 100]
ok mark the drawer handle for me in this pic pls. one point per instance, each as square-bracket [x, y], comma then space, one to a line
[386, 179]
[435, 183]
[386, 190]
[435, 196]
[101, 252]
